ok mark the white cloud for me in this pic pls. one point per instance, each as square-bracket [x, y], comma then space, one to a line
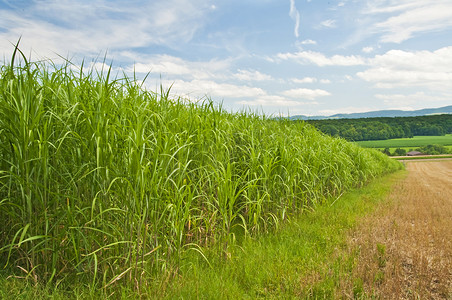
[308, 42]
[251, 76]
[409, 18]
[175, 66]
[310, 80]
[328, 23]
[397, 68]
[308, 94]
[295, 15]
[391, 6]
[321, 60]
[164, 65]
[368, 49]
[271, 100]
[404, 101]
[200, 88]
[346, 110]
[304, 80]
[90, 27]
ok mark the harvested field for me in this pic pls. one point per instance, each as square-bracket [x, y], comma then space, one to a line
[404, 251]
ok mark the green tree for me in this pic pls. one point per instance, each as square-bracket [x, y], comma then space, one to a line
[399, 152]
[329, 129]
[386, 151]
[433, 149]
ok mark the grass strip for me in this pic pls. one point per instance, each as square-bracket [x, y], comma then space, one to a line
[423, 157]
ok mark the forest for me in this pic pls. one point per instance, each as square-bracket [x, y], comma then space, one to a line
[367, 129]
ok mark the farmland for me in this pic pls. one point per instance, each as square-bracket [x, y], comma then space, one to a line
[107, 184]
[416, 141]
[404, 249]
[425, 144]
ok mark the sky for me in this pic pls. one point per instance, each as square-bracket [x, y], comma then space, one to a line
[272, 57]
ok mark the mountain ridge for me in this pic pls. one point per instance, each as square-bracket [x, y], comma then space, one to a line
[381, 114]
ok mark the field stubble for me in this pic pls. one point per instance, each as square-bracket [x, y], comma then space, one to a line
[407, 253]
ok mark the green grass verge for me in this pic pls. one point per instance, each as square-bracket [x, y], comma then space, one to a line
[306, 258]
[408, 143]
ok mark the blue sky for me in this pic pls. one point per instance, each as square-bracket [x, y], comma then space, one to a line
[275, 57]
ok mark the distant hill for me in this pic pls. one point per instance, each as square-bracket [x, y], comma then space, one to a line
[381, 113]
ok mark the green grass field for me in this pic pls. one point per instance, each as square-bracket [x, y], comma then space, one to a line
[408, 143]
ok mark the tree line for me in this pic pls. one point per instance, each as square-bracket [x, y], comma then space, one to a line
[428, 149]
[367, 129]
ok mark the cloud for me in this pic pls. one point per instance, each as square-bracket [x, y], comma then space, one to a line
[304, 80]
[306, 93]
[271, 100]
[404, 19]
[176, 66]
[200, 88]
[368, 49]
[392, 6]
[308, 42]
[309, 80]
[89, 27]
[251, 76]
[250, 96]
[164, 64]
[295, 15]
[345, 110]
[398, 68]
[317, 58]
[202, 70]
[409, 100]
[328, 23]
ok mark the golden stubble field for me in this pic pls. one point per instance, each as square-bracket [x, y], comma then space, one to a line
[404, 250]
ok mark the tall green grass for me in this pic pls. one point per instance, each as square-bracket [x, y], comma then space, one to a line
[104, 182]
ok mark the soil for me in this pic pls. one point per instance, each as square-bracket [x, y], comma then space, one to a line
[404, 250]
